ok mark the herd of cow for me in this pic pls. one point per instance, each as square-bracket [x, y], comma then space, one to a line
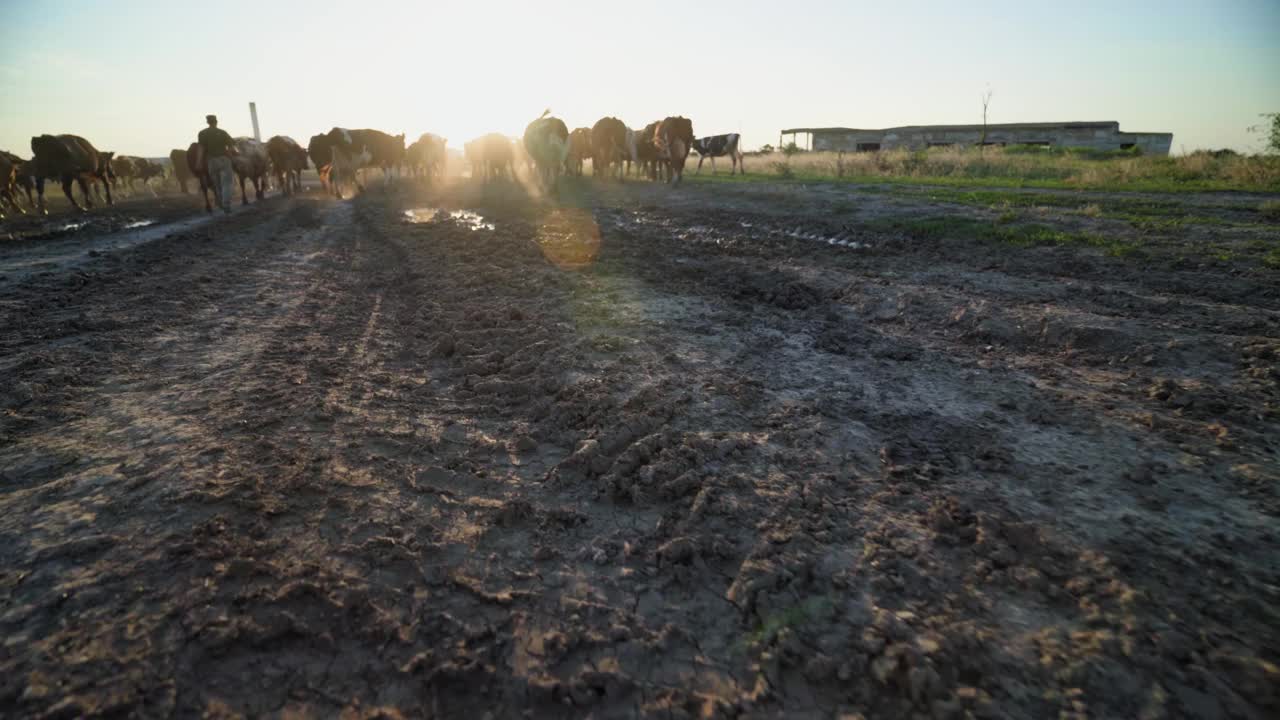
[548, 149]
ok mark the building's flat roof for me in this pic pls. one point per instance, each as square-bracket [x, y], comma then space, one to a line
[992, 126]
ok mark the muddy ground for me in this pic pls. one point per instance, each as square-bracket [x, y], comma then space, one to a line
[718, 451]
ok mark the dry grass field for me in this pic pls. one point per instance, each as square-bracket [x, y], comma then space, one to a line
[1028, 167]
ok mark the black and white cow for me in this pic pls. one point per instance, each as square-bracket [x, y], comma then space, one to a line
[718, 146]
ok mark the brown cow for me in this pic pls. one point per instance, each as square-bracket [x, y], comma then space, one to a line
[491, 156]
[15, 174]
[181, 172]
[426, 156]
[608, 145]
[8, 173]
[579, 151]
[126, 169]
[674, 139]
[321, 155]
[122, 169]
[647, 152]
[288, 159]
[23, 177]
[387, 150]
[250, 163]
[69, 158]
[198, 166]
[148, 169]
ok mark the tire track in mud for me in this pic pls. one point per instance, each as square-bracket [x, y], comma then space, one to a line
[152, 407]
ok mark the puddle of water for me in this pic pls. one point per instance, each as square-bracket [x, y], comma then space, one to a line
[137, 224]
[421, 215]
[468, 218]
[800, 234]
[70, 252]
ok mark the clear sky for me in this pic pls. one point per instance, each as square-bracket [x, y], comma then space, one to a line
[138, 76]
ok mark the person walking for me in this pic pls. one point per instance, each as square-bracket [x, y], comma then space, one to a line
[218, 147]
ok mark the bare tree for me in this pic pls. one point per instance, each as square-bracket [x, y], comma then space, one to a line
[986, 102]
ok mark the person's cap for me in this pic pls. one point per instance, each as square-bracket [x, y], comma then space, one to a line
[211, 118]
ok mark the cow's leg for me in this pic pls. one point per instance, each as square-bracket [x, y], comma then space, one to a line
[700, 159]
[13, 200]
[88, 185]
[244, 197]
[66, 190]
[258, 183]
[44, 210]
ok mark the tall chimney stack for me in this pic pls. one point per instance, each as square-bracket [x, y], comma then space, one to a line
[253, 113]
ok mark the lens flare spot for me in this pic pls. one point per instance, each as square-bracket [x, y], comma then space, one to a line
[569, 238]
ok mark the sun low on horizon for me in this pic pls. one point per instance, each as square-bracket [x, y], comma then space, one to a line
[1202, 71]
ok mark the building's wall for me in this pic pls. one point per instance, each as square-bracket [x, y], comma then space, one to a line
[1151, 143]
[1096, 137]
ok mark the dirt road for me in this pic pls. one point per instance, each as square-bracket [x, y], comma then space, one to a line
[722, 451]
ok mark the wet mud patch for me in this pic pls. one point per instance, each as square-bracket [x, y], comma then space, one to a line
[736, 230]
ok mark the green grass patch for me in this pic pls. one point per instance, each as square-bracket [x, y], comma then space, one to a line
[1023, 235]
[1142, 213]
[1145, 185]
[1027, 167]
[791, 617]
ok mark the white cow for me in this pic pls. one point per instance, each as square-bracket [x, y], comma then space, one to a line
[349, 155]
[250, 163]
